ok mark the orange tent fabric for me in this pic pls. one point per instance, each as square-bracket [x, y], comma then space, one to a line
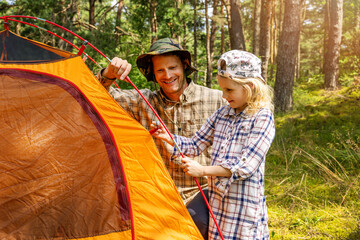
[73, 163]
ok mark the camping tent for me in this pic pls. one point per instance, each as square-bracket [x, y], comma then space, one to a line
[73, 163]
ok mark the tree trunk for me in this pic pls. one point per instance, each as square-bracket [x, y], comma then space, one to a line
[287, 53]
[331, 61]
[273, 34]
[298, 58]
[210, 55]
[208, 60]
[256, 27]
[227, 6]
[357, 15]
[184, 42]
[281, 14]
[91, 13]
[265, 35]
[237, 39]
[66, 17]
[118, 18]
[222, 29]
[153, 21]
[326, 32]
[195, 41]
[178, 4]
[118, 13]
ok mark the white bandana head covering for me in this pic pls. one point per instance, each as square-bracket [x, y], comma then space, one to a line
[239, 64]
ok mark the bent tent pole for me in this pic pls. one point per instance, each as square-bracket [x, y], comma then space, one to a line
[85, 42]
[176, 145]
[81, 50]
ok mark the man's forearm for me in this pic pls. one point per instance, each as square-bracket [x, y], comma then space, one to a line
[106, 82]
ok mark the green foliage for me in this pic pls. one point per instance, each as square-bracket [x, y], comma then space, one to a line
[312, 39]
[312, 176]
[350, 54]
[313, 34]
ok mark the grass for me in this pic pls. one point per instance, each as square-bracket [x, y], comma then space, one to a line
[313, 166]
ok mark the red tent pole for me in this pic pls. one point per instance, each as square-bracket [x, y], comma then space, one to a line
[82, 48]
[182, 155]
[6, 24]
[6, 18]
[30, 24]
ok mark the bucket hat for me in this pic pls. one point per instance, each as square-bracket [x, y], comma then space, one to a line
[239, 64]
[162, 46]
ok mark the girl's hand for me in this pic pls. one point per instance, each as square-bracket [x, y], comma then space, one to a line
[158, 131]
[192, 168]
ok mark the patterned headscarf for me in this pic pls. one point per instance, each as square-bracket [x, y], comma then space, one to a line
[239, 64]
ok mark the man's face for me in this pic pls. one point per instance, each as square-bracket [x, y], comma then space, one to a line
[169, 74]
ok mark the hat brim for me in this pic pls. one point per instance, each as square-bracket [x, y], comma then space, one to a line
[144, 62]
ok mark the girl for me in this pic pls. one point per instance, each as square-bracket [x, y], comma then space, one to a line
[240, 135]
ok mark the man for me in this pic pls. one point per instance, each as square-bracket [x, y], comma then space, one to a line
[182, 105]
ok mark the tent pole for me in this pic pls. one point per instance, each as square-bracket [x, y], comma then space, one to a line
[182, 155]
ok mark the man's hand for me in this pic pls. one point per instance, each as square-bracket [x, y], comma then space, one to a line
[117, 68]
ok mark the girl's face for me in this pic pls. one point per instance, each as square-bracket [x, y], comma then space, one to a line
[234, 93]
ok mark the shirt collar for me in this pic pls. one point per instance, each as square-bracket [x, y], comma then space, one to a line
[188, 93]
[229, 111]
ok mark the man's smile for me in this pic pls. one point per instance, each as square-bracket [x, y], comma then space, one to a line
[171, 81]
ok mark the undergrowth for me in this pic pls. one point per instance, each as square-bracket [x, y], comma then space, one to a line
[313, 166]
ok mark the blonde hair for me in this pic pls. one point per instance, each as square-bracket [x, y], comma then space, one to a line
[259, 94]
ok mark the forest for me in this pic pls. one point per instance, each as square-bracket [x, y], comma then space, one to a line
[310, 52]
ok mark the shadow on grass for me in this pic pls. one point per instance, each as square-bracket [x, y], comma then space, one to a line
[354, 235]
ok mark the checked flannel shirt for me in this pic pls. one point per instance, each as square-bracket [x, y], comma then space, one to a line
[185, 117]
[239, 143]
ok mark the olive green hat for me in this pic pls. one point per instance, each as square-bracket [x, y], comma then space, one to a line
[162, 46]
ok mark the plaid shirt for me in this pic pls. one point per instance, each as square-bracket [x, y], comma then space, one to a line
[185, 117]
[239, 143]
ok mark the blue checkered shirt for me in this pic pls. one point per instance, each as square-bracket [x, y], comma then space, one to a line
[239, 143]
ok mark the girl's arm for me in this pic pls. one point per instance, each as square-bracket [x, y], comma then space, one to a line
[191, 147]
[195, 169]
[200, 141]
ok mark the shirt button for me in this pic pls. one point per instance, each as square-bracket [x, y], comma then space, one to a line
[244, 159]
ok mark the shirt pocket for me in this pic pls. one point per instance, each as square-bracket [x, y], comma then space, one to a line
[220, 183]
[240, 139]
[189, 127]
